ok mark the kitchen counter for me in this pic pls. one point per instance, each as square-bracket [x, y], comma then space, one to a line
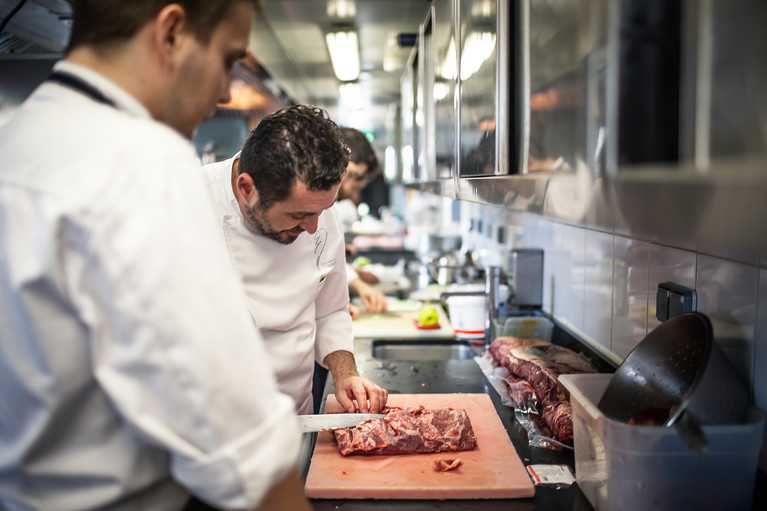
[399, 322]
[448, 376]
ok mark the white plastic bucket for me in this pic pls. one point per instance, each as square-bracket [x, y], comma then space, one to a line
[468, 315]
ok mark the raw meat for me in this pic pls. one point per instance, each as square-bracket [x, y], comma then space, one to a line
[445, 465]
[654, 416]
[559, 418]
[409, 431]
[539, 363]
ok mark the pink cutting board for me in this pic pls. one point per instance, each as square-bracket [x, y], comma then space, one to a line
[492, 470]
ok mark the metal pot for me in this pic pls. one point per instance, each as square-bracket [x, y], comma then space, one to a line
[440, 244]
[679, 368]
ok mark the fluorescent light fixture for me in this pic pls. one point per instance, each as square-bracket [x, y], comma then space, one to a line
[344, 54]
[350, 95]
[476, 50]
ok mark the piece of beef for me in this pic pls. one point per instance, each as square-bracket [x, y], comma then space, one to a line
[652, 416]
[441, 465]
[540, 363]
[501, 347]
[520, 391]
[408, 431]
[559, 418]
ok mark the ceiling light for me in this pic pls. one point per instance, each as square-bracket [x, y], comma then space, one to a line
[344, 54]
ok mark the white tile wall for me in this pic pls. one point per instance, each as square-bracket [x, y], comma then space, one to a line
[598, 288]
[630, 294]
[564, 258]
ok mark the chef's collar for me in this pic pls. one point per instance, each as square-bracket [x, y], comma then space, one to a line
[122, 100]
[226, 182]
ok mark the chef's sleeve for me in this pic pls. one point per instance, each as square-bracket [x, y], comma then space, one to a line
[351, 274]
[172, 343]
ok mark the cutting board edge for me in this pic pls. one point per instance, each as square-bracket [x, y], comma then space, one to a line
[522, 493]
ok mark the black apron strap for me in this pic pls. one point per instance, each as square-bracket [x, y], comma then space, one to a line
[80, 86]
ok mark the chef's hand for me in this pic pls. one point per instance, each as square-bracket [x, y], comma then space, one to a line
[354, 311]
[358, 394]
[351, 387]
[373, 300]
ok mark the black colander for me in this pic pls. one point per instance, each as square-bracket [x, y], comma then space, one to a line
[678, 374]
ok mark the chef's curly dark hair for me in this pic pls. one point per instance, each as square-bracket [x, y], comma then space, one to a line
[300, 142]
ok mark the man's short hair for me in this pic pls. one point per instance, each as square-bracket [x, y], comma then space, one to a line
[110, 22]
[299, 142]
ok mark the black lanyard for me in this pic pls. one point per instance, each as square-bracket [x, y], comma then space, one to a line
[80, 86]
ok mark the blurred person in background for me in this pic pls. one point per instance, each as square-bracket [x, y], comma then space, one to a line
[375, 193]
[363, 164]
[125, 380]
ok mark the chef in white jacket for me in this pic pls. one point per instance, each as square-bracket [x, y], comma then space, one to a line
[285, 240]
[131, 376]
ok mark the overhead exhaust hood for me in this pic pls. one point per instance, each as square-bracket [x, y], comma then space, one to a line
[31, 27]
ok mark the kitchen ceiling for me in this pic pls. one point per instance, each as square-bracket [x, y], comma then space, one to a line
[288, 39]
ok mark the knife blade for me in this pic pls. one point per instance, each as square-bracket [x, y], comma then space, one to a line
[312, 423]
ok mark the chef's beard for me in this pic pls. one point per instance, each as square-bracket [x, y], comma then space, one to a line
[257, 218]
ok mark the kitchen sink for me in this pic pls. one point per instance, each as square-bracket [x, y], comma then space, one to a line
[420, 350]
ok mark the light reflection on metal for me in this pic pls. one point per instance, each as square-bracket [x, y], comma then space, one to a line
[477, 49]
[244, 97]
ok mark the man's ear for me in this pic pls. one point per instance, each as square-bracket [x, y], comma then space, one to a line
[169, 31]
[246, 188]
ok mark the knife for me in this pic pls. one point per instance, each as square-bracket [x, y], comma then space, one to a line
[312, 423]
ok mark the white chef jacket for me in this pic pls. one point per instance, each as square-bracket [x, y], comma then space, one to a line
[130, 369]
[351, 273]
[297, 293]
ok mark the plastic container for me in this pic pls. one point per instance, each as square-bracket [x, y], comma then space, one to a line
[623, 467]
[468, 315]
[536, 327]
